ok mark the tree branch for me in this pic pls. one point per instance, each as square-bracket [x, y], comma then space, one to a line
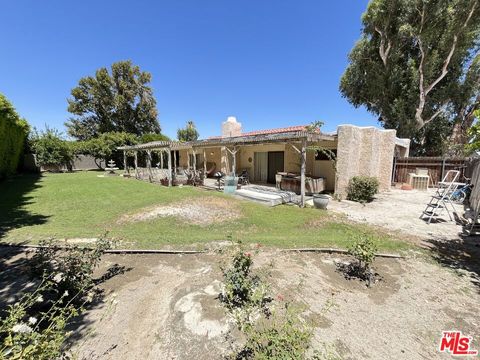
[425, 90]
[438, 112]
[382, 51]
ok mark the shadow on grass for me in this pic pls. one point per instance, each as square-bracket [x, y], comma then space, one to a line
[14, 197]
[461, 254]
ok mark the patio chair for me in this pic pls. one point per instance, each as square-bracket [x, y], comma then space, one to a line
[244, 178]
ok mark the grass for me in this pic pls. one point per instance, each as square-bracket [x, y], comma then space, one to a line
[82, 205]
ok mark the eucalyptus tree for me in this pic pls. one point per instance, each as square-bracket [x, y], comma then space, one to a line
[117, 101]
[416, 66]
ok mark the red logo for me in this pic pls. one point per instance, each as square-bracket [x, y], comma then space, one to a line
[456, 344]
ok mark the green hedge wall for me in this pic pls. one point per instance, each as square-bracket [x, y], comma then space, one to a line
[13, 133]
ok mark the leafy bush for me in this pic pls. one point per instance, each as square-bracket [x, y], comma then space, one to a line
[13, 132]
[51, 149]
[35, 326]
[363, 249]
[72, 266]
[244, 292]
[105, 146]
[33, 329]
[362, 188]
[285, 335]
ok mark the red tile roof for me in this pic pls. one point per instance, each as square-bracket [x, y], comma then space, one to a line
[276, 131]
[270, 131]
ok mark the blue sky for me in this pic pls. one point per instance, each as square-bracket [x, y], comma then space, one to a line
[271, 63]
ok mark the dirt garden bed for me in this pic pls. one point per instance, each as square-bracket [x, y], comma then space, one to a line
[166, 307]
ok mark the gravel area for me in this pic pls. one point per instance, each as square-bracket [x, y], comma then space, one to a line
[400, 210]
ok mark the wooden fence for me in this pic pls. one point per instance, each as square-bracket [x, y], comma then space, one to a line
[437, 167]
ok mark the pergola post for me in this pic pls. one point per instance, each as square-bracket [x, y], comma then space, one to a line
[188, 159]
[169, 168]
[135, 162]
[194, 159]
[125, 167]
[302, 172]
[149, 165]
[174, 161]
[234, 160]
[204, 167]
[161, 159]
[234, 155]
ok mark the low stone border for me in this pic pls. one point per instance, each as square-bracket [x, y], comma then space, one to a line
[173, 252]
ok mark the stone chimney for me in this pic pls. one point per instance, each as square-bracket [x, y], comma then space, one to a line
[231, 127]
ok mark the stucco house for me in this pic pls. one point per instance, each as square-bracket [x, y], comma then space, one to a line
[287, 151]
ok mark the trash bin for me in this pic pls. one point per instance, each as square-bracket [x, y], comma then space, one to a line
[230, 184]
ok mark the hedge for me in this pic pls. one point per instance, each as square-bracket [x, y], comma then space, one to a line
[13, 133]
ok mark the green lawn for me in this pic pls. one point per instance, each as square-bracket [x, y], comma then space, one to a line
[83, 205]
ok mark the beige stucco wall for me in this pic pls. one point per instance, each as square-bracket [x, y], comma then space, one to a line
[364, 151]
[323, 168]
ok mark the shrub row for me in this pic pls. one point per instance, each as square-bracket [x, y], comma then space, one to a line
[13, 133]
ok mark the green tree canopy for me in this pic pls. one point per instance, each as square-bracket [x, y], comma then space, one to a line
[13, 132]
[51, 148]
[416, 66]
[104, 147]
[189, 133]
[117, 101]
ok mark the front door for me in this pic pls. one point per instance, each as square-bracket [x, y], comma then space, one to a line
[275, 164]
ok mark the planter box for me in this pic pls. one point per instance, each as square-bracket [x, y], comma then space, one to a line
[312, 185]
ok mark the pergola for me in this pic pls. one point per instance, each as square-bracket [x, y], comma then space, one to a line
[230, 144]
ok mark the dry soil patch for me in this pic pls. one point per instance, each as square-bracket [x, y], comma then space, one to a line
[197, 211]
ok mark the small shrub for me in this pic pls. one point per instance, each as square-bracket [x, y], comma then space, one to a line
[34, 329]
[363, 249]
[285, 335]
[244, 292]
[71, 267]
[362, 188]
